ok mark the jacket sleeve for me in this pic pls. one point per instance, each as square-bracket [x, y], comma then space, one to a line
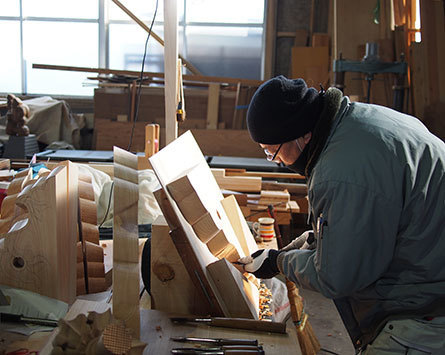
[355, 244]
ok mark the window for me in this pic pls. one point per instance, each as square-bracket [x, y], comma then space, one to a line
[220, 38]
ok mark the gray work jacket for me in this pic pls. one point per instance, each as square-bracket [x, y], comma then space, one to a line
[377, 202]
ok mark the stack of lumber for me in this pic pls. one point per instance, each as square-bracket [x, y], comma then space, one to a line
[274, 198]
[237, 183]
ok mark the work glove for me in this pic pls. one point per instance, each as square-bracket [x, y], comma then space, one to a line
[262, 263]
[305, 241]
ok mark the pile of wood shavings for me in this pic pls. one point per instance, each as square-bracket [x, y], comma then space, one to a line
[265, 302]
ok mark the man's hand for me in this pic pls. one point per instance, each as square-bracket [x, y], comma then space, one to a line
[262, 263]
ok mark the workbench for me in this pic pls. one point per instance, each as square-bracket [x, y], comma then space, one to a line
[156, 330]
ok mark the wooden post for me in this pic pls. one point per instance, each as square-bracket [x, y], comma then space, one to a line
[212, 106]
[170, 69]
[269, 55]
[125, 239]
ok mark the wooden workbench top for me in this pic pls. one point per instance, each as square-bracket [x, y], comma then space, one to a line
[156, 330]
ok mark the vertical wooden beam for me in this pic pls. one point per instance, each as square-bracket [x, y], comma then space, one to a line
[170, 69]
[429, 39]
[439, 11]
[212, 106]
[125, 240]
[271, 24]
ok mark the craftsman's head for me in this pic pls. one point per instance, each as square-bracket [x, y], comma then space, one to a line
[281, 117]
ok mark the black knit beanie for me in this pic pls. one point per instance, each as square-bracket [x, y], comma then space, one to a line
[282, 110]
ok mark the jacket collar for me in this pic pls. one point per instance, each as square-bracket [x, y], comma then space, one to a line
[335, 105]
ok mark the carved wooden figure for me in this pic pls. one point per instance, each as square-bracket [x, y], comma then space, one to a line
[17, 117]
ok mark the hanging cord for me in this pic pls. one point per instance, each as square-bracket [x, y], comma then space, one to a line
[138, 96]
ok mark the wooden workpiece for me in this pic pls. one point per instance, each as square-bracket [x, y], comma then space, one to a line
[39, 252]
[182, 162]
[92, 279]
[125, 240]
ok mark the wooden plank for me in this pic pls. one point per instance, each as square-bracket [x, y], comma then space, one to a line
[39, 252]
[239, 224]
[226, 142]
[170, 68]
[236, 183]
[185, 77]
[125, 240]
[240, 295]
[213, 106]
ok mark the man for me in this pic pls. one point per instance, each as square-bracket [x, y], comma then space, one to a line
[376, 189]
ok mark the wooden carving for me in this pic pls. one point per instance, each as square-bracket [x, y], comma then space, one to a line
[125, 240]
[95, 334]
[17, 117]
[200, 228]
[90, 255]
[38, 253]
[9, 210]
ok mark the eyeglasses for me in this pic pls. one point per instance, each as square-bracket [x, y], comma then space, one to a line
[270, 156]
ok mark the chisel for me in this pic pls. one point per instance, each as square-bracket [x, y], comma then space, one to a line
[237, 323]
[17, 318]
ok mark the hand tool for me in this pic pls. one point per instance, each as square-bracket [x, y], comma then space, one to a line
[226, 349]
[216, 341]
[217, 351]
[17, 318]
[237, 323]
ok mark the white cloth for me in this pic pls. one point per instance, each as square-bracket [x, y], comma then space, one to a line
[148, 208]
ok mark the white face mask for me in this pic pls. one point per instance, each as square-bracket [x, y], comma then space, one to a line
[299, 165]
[298, 144]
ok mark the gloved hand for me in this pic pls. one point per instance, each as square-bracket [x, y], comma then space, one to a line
[305, 241]
[262, 263]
